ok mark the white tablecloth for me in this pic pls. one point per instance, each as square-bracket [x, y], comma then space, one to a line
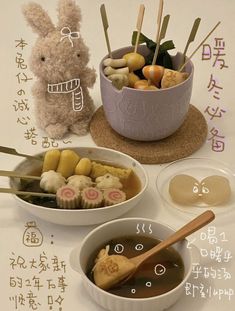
[40, 278]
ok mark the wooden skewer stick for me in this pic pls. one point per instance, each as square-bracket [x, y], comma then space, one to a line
[18, 175]
[105, 26]
[161, 36]
[203, 41]
[19, 192]
[139, 25]
[192, 35]
[12, 151]
[159, 21]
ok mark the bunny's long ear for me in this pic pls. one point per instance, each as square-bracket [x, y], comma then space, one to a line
[69, 15]
[38, 19]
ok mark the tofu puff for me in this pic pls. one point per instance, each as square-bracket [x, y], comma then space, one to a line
[98, 169]
[111, 269]
[108, 181]
[51, 181]
[80, 182]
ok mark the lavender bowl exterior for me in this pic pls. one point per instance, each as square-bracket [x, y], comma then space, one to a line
[146, 115]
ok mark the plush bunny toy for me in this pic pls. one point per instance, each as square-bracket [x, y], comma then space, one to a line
[59, 60]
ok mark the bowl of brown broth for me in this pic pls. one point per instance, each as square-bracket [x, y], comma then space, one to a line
[158, 283]
[48, 210]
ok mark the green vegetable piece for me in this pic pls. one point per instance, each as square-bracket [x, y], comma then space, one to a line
[164, 58]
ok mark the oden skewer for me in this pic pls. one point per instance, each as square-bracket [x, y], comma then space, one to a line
[198, 47]
[105, 26]
[139, 25]
[191, 38]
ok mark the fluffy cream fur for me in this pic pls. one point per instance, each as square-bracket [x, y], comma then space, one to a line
[54, 61]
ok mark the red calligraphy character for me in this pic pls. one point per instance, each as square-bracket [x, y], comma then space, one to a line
[218, 144]
[214, 112]
[213, 86]
[219, 53]
[206, 52]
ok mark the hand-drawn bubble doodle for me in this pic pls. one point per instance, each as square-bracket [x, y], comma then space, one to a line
[159, 269]
[119, 248]
[139, 247]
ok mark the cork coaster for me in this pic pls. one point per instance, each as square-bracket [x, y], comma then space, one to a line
[185, 141]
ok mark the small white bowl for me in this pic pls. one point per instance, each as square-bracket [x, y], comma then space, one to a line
[84, 217]
[198, 168]
[80, 256]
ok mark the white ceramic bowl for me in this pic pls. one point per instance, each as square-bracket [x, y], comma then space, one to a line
[88, 216]
[123, 227]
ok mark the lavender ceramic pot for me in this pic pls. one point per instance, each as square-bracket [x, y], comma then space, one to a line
[146, 115]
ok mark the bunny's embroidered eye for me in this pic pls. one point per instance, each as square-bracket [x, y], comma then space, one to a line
[78, 55]
[43, 59]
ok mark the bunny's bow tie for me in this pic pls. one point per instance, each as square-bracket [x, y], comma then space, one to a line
[67, 33]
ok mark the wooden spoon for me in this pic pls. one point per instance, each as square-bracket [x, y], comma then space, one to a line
[194, 225]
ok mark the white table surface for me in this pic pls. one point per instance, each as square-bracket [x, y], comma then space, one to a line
[59, 240]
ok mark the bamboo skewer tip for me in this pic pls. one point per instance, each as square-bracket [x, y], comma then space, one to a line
[198, 47]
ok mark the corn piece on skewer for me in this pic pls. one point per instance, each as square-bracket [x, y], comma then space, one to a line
[67, 163]
[51, 160]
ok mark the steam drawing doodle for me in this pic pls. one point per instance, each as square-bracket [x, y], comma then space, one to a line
[142, 228]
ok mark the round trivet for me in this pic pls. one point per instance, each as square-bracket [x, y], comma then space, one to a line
[185, 141]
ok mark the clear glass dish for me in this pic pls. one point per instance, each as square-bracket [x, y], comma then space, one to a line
[198, 168]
